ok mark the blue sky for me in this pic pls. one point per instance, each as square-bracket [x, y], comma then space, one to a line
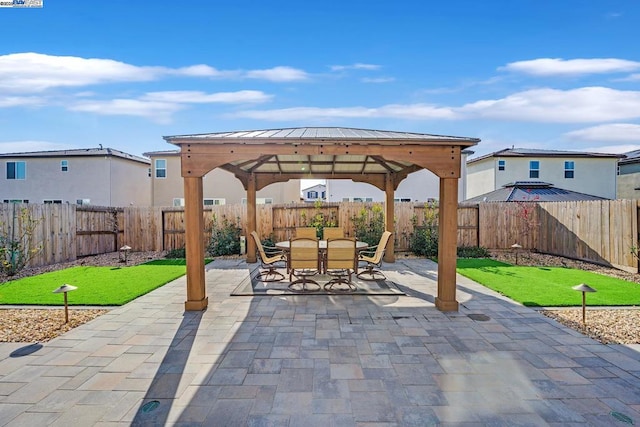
[539, 74]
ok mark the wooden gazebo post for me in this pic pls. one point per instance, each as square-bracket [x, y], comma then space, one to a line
[251, 218]
[447, 245]
[194, 244]
[389, 205]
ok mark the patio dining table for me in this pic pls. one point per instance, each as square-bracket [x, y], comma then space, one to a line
[322, 247]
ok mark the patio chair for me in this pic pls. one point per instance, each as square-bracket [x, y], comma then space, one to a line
[332, 233]
[308, 232]
[270, 260]
[372, 258]
[340, 263]
[304, 263]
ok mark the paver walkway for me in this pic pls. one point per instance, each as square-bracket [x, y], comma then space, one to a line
[321, 361]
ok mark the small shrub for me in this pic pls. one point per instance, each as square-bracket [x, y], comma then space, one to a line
[225, 239]
[424, 239]
[369, 224]
[16, 249]
[176, 253]
[318, 220]
[473, 252]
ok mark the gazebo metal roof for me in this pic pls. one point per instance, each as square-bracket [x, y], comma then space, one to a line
[345, 165]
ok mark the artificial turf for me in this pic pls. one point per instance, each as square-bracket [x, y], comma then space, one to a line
[548, 286]
[100, 286]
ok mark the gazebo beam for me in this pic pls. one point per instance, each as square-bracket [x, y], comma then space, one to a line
[251, 218]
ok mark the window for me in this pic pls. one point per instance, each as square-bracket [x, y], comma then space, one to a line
[501, 164]
[83, 201]
[15, 201]
[16, 170]
[402, 199]
[312, 195]
[214, 202]
[569, 168]
[534, 169]
[52, 201]
[324, 194]
[161, 168]
[178, 202]
[64, 165]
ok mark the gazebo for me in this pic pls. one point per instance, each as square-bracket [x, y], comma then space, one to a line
[262, 157]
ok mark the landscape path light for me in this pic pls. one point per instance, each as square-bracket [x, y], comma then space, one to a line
[516, 247]
[584, 288]
[63, 290]
[124, 251]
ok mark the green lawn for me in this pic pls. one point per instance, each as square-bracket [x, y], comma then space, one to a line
[548, 286]
[96, 285]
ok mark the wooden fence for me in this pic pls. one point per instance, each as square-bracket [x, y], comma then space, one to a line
[598, 231]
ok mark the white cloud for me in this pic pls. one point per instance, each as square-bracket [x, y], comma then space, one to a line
[278, 74]
[412, 111]
[15, 101]
[356, 66]
[631, 78]
[201, 71]
[155, 110]
[27, 146]
[587, 104]
[567, 67]
[582, 105]
[34, 72]
[377, 80]
[198, 97]
[612, 149]
[614, 132]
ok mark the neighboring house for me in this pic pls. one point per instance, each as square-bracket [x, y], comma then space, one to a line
[315, 193]
[91, 176]
[531, 191]
[219, 186]
[419, 186]
[629, 176]
[582, 172]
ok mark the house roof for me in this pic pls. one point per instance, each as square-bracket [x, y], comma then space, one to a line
[534, 152]
[631, 157]
[162, 153]
[318, 186]
[319, 152]
[534, 191]
[81, 152]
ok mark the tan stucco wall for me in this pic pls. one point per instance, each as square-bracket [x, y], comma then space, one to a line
[105, 180]
[626, 186]
[481, 177]
[217, 184]
[595, 176]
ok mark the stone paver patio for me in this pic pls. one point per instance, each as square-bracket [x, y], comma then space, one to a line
[321, 361]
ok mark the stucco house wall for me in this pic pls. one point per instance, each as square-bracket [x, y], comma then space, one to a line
[218, 184]
[629, 176]
[593, 173]
[101, 177]
[419, 186]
